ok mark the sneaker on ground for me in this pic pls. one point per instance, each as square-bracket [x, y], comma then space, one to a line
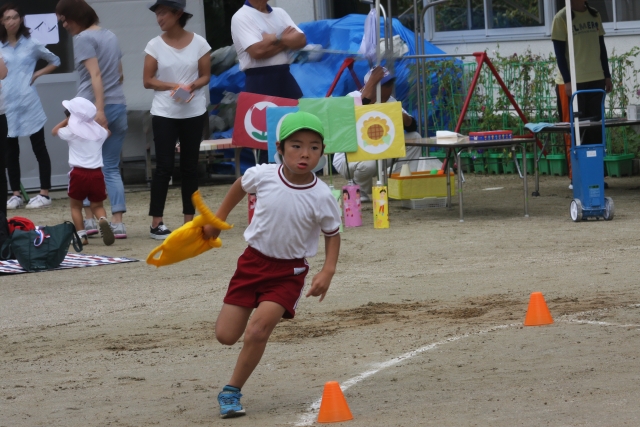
[570, 186]
[160, 232]
[119, 230]
[229, 400]
[39, 202]
[91, 226]
[15, 202]
[105, 232]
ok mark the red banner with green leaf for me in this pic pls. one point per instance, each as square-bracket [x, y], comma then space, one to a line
[250, 129]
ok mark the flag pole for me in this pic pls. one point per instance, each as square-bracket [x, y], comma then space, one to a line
[572, 69]
[379, 86]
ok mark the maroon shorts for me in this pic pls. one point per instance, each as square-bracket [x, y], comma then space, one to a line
[261, 278]
[87, 184]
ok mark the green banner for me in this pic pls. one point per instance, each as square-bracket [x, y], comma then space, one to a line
[338, 116]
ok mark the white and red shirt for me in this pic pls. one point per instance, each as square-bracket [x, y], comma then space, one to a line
[288, 218]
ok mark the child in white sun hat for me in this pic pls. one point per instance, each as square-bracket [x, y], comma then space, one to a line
[86, 181]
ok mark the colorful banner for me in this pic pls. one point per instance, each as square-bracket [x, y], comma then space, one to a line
[250, 128]
[338, 117]
[275, 115]
[380, 132]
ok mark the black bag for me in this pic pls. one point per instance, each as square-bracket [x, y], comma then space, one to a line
[44, 248]
[4, 232]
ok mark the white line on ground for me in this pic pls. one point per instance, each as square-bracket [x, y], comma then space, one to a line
[309, 417]
[594, 322]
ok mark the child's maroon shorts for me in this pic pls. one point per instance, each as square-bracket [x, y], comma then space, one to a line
[87, 184]
[261, 278]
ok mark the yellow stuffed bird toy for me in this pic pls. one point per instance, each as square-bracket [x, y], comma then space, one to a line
[188, 241]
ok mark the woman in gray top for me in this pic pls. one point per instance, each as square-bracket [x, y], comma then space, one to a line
[97, 58]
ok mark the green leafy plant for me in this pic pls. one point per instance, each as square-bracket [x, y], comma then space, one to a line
[531, 80]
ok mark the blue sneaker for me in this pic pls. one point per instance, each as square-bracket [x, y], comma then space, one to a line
[229, 400]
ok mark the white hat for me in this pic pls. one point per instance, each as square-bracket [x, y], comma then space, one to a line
[81, 120]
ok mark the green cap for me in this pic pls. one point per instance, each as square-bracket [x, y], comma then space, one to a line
[301, 120]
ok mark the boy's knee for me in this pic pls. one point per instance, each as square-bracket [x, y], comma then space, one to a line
[257, 333]
[226, 338]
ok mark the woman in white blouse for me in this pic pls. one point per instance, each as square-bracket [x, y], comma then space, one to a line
[177, 68]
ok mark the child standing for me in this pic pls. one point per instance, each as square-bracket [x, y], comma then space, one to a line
[292, 208]
[85, 137]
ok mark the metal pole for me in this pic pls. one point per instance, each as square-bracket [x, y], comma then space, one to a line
[526, 188]
[416, 27]
[572, 69]
[389, 52]
[422, 81]
[437, 55]
[381, 170]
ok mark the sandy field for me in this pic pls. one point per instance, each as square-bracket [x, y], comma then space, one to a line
[422, 325]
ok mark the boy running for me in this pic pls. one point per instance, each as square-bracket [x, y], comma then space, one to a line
[293, 207]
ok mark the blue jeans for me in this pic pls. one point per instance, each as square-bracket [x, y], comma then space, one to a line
[111, 149]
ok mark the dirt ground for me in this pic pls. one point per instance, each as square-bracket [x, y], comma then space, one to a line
[422, 324]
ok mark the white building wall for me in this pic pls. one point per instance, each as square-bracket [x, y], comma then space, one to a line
[298, 10]
[134, 25]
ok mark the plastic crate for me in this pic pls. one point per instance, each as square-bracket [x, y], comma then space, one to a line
[419, 185]
[479, 165]
[619, 164]
[543, 166]
[426, 203]
[494, 163]
[530, 163]
[466, 162]
[508, 165]
[557, 164]
[439, 154]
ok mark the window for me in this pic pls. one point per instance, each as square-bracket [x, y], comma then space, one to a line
[615, 11]
[464, 15]
[483, 20]
[459, 15]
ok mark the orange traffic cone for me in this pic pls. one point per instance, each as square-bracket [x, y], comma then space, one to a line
[333, 407]
[538, 313]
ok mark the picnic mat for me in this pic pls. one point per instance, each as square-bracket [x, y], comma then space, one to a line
[70, 261]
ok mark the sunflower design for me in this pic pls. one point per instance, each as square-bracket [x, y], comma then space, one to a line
[375, 131]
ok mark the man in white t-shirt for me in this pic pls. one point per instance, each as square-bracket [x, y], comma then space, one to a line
[265, 38]
[363, 172]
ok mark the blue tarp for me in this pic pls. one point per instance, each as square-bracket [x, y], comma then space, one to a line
[315, 78]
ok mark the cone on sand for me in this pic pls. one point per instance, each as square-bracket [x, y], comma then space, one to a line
[538, 313]
[333, 407]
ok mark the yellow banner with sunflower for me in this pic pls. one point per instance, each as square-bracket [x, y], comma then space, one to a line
[380, 132]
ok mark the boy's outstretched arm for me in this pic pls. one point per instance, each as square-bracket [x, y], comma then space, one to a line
[322, 280]
[230, 201]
